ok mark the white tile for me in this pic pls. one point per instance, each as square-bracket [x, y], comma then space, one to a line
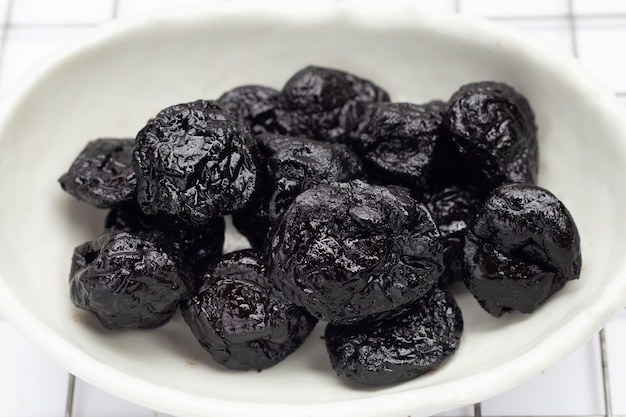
[491, 8]
[4, 8]
[582, 7]
[571, 387]
[61, 11]
[31, 384]
[599, 41]
[26, 47]
[90, 401]
[554, 33]
[440, 6]
[138, 7]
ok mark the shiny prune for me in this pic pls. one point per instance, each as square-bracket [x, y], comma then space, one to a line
[102, 174]
[253, 104]
[493, 127]
[241, 319]
[452, 208]
[397, 142]
[127, 281]
[293, 165]
[520, 249]
[194, 161]
[196, 245]
[413, 340]
[346, 251]
[325, 104]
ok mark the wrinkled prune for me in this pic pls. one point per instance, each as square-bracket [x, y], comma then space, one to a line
[325, 104]
[253, 104]
[397, 142]
[345, 251]
[194, 161]
[293, 166]
[452, 208]
[412, 341]
[521, 248]
[127, 281]
[196, 245]
[493, 127]
[241, 319]
[102, 174]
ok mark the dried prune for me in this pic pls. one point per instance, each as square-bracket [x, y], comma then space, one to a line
[452, 208]
[241, 319]
[412, 341]
[293, 166]
[196, 245]
[102, 174]
[493, 128]
[253, 104]
[325, 104]
[397, 142]
[521, 248]
[127, 281]
[194, 161]
[345, 251]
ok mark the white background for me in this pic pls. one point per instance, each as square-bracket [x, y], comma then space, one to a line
[31, 385]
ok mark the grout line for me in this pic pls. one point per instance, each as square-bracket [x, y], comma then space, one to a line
[457, 6]
[5, 28]
[116, 9]
[69, 401]
[572, 27]
[606, 383]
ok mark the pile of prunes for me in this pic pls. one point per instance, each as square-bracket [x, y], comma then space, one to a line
[359, 212]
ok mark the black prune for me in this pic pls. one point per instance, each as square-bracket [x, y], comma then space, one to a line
[241, 319]
[452, 208]
[521, 248]
[397, 142]
[196, 245]
[413, 340]
[194, 161]
[325, 104]
[127, 281]
[493, 127]
[345, 251]
[293, 166]
[253, 104]
[102, 174]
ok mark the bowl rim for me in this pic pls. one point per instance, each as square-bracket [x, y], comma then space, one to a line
[466, 390]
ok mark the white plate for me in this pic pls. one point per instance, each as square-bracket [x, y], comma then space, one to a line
[124, 72]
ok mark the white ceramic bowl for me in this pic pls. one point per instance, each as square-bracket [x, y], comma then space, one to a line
[111, 82]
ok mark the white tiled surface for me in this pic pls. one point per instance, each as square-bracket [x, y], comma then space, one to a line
[33, 386]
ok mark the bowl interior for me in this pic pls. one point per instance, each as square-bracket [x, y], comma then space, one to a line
[124, 74]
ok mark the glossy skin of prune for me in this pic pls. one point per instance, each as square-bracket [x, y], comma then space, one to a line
[253, 104]
[196, 245]
[493, 128]
[102, 174]
[127, 281]
[410, 342]
[325, 104]
[194, 161]
[521, 248]
[293, 165]
[241, 319]
[452, 208]
[397, 142]
[346, 251]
